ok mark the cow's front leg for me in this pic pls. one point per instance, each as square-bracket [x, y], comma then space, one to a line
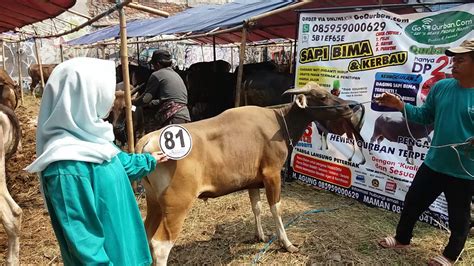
[272, 184]
[254, 195]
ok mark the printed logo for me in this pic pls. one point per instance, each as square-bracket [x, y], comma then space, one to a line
[375, 183]
[442, 28]
[305, 27]
[305, 38]
[390, 186]
[307, 138]
[360, 178]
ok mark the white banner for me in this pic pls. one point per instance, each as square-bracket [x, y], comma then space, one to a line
[358, 56]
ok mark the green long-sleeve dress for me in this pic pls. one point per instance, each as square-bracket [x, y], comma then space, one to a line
[94, 212]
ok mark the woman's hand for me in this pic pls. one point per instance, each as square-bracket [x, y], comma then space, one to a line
[390, 100]
[159, 157]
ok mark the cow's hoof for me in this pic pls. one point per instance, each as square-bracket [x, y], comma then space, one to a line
[292, 249]
[261, 239]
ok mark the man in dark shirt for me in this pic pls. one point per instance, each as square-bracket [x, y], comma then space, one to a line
[165, 93]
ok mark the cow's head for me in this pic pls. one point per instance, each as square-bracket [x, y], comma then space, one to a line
[319, 103]
[8, 95]
[118, 107]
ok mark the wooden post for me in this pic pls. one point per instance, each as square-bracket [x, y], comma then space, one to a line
[290, 62]
[3, 55]
[126, 77]
[240, 72]
[20, 80]
[38, 59]
[61, 52]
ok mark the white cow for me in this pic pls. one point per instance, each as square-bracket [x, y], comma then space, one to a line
[10, 212]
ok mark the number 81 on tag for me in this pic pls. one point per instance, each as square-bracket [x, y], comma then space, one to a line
[175, 142]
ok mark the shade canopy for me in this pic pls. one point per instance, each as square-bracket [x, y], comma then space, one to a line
[272, 19]
[18, 13]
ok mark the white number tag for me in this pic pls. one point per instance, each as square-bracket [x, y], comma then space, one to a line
[175, 142]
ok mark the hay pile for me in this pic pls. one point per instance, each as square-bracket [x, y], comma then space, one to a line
[221, 231]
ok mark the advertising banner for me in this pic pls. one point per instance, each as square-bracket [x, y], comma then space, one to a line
[358, 56]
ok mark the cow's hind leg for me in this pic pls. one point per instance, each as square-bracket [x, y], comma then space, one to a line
[174, 208]
[153, 217]
[11, 219]
[256, 208]
[10, 212]
[272, 182]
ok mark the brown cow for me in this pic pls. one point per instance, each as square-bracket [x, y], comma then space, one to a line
[242, 148]
[10, 212]
[34, 72]
[9, 92]
[117, 119]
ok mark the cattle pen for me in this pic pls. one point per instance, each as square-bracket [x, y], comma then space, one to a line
[327, 228]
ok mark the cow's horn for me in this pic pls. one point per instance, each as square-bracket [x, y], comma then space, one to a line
[303, 90]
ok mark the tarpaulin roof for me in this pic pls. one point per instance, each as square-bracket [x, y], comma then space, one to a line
[18, 13]
[199, 19]
[204, 19]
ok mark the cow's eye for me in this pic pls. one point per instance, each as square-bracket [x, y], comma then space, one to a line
[324, 98]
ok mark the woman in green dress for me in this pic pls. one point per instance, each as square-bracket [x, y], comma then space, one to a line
[84, 176]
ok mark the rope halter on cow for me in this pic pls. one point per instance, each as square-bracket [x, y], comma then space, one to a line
[287, 131]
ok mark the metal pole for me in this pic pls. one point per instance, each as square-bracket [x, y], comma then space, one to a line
[240, 72]
[20, 80]
[38, 59]
[232, 58]
[138, 52]
[61, 52]
[126, 77]
[214, 46]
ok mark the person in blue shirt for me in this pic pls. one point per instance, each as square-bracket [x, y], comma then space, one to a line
[450, 106]
[85, 178]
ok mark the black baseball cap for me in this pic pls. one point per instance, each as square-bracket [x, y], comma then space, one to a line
[160, 55]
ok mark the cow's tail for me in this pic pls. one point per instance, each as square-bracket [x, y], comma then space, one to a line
[29, 71]
[16, 130]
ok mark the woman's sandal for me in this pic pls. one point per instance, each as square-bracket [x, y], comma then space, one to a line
[391, 242]
[440, 260]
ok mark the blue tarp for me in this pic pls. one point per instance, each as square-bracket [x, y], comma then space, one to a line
[196, 20]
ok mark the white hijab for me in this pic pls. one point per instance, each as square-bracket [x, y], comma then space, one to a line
[79, 94]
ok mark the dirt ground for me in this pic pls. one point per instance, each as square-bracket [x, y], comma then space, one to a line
[328, 229]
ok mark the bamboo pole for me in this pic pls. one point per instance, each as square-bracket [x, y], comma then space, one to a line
[148, 9]
[20, 80]
[240, 72]
[126, 77]
[38, 59]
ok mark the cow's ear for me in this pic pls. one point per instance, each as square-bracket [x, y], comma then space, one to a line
[301, 101]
